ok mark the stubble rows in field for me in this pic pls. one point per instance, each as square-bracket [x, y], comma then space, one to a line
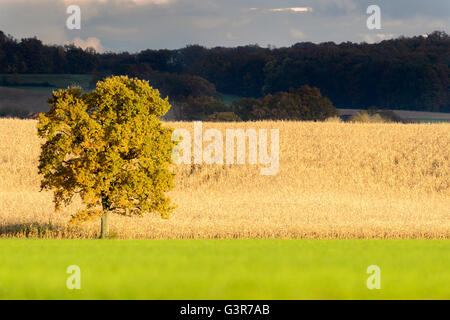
[335, 180]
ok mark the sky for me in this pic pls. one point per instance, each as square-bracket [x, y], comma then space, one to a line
[134, 25]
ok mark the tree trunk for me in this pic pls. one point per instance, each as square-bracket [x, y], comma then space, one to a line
[106, 204]
[104, 234]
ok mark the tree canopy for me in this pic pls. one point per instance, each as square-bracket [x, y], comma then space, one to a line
[403, 73]
[305, 103]
[110, 147]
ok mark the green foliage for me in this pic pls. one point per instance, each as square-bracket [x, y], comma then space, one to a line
[223, 117]
[405, 73]
[177, 86]
[365, 117]
[305, 103]
[45, 81]
[108, 146]
[334, 119]
[244, 107]
[201, 108]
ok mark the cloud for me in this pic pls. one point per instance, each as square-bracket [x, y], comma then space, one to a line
[90, 42]
[296, 9]
[297, 34]
[158, 2]
[137, 2]
[230, 36]
[118, 30]
[374, 38]
[133, 25]
[290, 9]
[209, 22]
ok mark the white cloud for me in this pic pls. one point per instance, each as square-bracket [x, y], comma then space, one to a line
[131, 25]
[152, 1]
[297, 34]
[90, 42]
[208, 22]
[292, 9]
[118, 31]
[297, 9]
[230, 36]
[373, 38]
[138, 2]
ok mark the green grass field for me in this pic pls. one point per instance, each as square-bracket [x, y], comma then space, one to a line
[225, 269]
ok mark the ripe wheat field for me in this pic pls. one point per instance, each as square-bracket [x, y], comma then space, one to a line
[335, 180]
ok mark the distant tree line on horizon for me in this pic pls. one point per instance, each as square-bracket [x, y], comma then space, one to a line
[404, 73]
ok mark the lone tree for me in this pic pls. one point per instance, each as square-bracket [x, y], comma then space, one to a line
[110, 147]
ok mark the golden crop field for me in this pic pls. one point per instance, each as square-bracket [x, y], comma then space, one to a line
[335, 180]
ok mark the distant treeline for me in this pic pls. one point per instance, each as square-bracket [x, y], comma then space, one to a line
[404, 73]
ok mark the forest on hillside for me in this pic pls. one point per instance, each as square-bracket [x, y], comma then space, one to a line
[403, 73]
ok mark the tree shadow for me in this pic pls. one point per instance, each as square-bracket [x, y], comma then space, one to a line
[41, 230]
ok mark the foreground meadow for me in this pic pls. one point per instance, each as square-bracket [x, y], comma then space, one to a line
[335, 180]
[224, 269]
